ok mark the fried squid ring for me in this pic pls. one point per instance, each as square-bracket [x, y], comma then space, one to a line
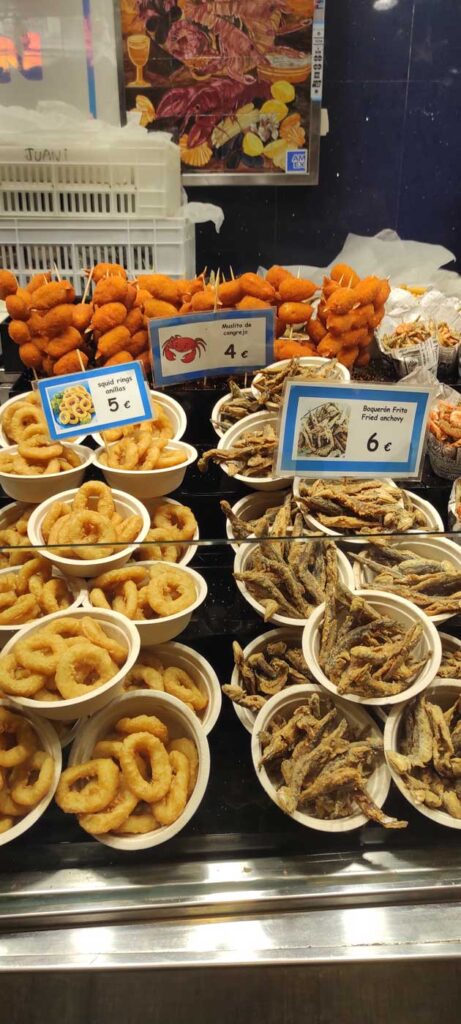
[177, 522]
[88, 526]
[9, 806]
[179, 684]
[143, 723]
[170, 590]
[126, 600]
[82, 667]
[40, 652]
[113, 816]
[138, 823]
[13, 727]
[168, 809]
[94, 632]
[98, 782]
[55, 512]
[94, 489]
[32, 781]
[129, 529]
[108, 748]
[187, 747]
[23, 609]
[17, 681]
[144, 677]
[55, 596]
[149, 746]
[115, 577]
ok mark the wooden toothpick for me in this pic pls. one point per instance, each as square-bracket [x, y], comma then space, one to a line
[87, 286]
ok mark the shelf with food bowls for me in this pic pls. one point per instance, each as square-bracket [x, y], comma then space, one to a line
[320, 760]
[371, 648]
[31, 767]
[66, 667]
[286, 589]
[421, 742]
[156, 472]
[161, 724]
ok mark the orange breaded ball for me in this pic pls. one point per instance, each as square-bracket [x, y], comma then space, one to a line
[8, 284]
[71, 362]
[112, 342]
[157, 307]
[137, 343]
[57, 319]
[55, 293]
[259, 287]
[344, 274]
[30, 355]
[120, 357]
[295, 289]
[230, 292]
[108, 316]
[161, 287]
[19, 332]
[18, 307]
[64, 342]
[38, 280]
[81, 315]
[107, 270]
[295, 312]
[134, 320]
[275, 275]
[110, 289]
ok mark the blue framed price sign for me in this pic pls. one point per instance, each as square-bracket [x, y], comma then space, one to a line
[362, 430]
[113, 396]
[211, 344]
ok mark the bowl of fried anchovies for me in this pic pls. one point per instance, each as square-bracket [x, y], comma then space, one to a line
[233, 407]
[371, 647]
[268, 384]
[286, 578]
[353, 509]
[264, 514]
[321, 760]
[422, 741]
[266, 666]
[247, 452]
[427, 571]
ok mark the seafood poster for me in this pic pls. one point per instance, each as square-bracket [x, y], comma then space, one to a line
[352, 430]
[238, 83]
[211, 344]
[113, 396]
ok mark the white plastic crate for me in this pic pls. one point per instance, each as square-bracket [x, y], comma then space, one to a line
[166, 246]
[46, 177]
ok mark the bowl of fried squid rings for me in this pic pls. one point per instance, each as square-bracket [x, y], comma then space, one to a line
[30, 763]
[145, 472]
[89, 529]
[66, 667]
[148, 782]
[182, 672]
[157, 597]
[173, 528]
[167, 411]
[36, 471]
[30, 591]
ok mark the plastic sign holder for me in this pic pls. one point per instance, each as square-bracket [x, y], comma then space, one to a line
[354, 430]
[95, 400]
[211, 344]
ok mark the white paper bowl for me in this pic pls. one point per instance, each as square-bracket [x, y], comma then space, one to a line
[453, 644]
[443, 692]
[190, 549]
[124, 504]
[158, 631]
[116, 626]
[39, 486]
[438, 548]
[254, 422]
[215, 418]
[341, 372]
[4, 439]
[149, 483]
[49, 742]
[245, 715]
[346, 575]
[286, 702]
[75, 585]
[251, 507]
[434, 522]
[180, 722]
[402, 611]
[199, 670]
[174, 411]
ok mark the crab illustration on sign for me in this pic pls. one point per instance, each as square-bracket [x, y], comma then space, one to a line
[185, 348]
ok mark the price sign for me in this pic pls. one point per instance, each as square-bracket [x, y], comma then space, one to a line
[352, 429]
[211, 344]
[113, 396]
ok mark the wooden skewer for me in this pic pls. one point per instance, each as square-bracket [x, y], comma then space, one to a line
[87, 286]
[216, 286]
[232, 273]
[56, 271]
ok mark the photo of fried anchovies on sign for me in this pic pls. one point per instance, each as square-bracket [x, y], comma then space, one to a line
[323, 432]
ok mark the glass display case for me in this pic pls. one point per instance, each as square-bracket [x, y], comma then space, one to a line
[244, 881]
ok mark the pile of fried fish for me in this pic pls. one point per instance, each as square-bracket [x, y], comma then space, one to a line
[361, 506]
[277, 664]
[429, 760]
[433, 585]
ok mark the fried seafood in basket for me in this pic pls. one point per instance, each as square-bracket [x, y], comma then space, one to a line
[251, 455]
[138, 779]
[290, 577]
[365, 653]
[429, 756]
[90, 523]
[149, 673]
[142, 592]
[26, 770]
[65, 659]
[275, 665]
[320, 764]
[361, 506]
[433, 585]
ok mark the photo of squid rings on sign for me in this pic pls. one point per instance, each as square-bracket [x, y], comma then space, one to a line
[73, 407]
[323, 431]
